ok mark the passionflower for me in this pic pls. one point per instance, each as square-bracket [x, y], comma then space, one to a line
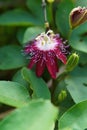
[44, 51]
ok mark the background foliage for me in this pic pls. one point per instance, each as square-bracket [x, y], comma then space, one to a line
[27, 102]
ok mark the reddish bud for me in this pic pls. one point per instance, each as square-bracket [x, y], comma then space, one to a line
[77, 16]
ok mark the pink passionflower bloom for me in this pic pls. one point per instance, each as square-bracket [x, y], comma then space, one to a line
[44, 50]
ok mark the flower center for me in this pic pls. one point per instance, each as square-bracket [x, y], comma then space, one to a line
[46, 41]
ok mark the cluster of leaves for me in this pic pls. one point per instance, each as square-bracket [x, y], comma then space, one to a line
[29, 97]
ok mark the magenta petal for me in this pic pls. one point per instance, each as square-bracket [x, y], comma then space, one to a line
[29, 49]
[40, 67]
[51, 65]
[32, 62]
[60, 55]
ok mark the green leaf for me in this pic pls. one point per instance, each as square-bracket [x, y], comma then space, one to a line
[38, 85]
[31, 33]
[37, 115]
[13, 94]
[75, 118]
[83, 58]
[78, 38]
[62, 16]
[77, 84]
[64, 104]
[82, 3]
[25, 35]
[36, 9]
[19, 79]
[11, 57]
[20, 34]
[17, 17]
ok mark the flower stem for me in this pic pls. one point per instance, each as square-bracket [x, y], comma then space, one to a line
[51, 14]
[45, 15]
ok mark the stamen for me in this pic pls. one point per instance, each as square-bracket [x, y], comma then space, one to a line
[46, 38]
[43, 42]
[49, 32]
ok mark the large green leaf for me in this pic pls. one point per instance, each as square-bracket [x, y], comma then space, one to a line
[83, 58]
[36, 9]
[11, 57]
[37, 115]
[38, 85]
[13, 94]
[75, 118]
[77, 84]
[25, 35]
[31, 33]
[19, 79]
[20, 34]
[17, 17]
[78, 38]
[62, 16]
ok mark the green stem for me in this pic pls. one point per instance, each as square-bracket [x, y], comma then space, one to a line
[52, 89]
[51, 13]
[45, 15]
[55, 84]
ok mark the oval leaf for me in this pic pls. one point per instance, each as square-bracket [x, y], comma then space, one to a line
[62, 16]
[38, 115]
[78, 38]
[19, 79]
[17, 17]
[25, 35]
[31, 33]
[13, 94]
[83, 58]
[11, 57]
[75, 118]
[77, 84]
[38, 85]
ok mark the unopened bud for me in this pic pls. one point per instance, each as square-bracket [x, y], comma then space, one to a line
[62, 95]
[72, 62]
[77, 16]
[50, 1]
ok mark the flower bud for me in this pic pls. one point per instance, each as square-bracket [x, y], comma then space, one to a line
[72, 62]
[62, 95]
[77, 16]
[50, 1]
